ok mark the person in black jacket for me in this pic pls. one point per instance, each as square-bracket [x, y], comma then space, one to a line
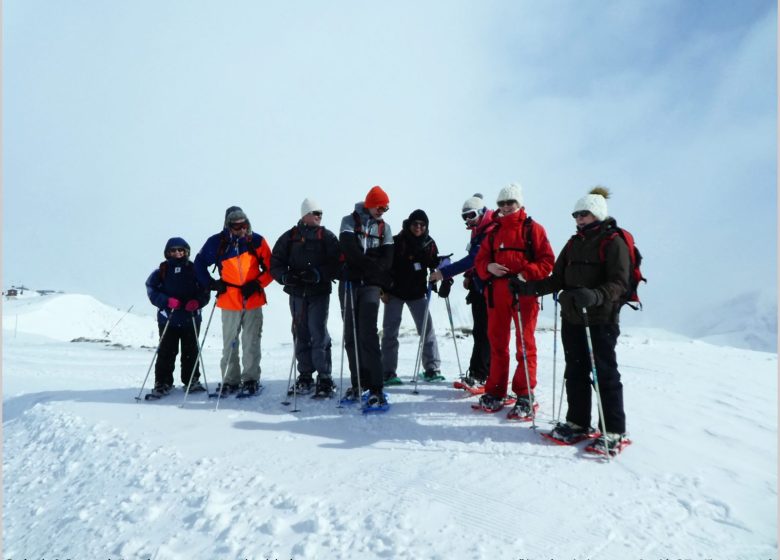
[415, 255]
[367, 244]
[174, 289]
[305, 260]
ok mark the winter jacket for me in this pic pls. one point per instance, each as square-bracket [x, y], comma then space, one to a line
[176, 278]
[311, 250]
[579, 265]
[466, 264]
[367, 245]
[239, 262]
[507, 245]
[413, 257]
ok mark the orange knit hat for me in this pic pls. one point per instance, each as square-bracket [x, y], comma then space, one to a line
[376, 198]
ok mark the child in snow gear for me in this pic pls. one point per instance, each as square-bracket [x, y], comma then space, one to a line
[174, 289]
[598, 286]
[367, 244]
[518, 246]
[242, 258]
[479, 219]
[415, 253]
[305, 260]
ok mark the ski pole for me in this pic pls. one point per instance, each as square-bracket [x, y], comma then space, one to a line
[165, 329]
[555, 361]
[108, 332]
[354, 336]
[290, 377]
[418, 361]
[199, 360]
[589, 341]
[525, 366]
[452, 329]
[343, 348]
[203, 343]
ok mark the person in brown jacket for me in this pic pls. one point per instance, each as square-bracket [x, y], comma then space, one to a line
[593, 272]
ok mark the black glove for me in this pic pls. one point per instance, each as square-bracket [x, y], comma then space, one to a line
[250, 288]
[446, 286]
[291, 278]
[310, 276]
[585, 297]
[218, 286]
[520, 288]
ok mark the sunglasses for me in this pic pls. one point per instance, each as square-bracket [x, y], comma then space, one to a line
[417, 223]
[383, 208]
[469, 215]
[316, 213]
[235, 226]
[177, 250]
[506, 202]
[580, 214]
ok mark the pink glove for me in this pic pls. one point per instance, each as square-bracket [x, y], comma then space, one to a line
[192, 305]
[173, 303]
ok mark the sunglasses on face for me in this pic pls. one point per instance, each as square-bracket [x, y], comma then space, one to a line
[417, 223]
[506, 202]
[580, 214]
[382, 208]
[469, 215]
[177, 250]
[236, 226]
[316, 213]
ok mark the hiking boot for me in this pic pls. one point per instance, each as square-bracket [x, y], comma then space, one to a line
[351, 394]
[162, 388]
[375, 400]
[490, 403]
[304, 384]
[390, 378]
[616, 442]
[473, 380]
[524, 405]
[195, 387]
[325, 387]
[570, 433]
[249, 387]
[433, 375]
[227, 389]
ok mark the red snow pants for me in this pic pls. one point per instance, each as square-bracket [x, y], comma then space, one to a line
[500, 317]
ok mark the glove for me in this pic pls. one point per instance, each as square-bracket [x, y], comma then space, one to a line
[173, 303]
[446, 286]
[291, 278]
[218, 286]
[520, 288]
[310, 276]
[585, 297]
[250, 288]
[192, 305]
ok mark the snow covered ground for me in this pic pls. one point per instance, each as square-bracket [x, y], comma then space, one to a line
[91, 473]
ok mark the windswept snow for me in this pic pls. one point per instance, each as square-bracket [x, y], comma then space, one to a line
[91, 473]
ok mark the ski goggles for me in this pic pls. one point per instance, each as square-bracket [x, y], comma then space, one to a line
[469, 215]
[236, 226]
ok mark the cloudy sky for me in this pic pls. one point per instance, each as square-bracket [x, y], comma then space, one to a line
[126, 123]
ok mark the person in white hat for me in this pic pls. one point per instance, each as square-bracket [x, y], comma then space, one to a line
[518, 247]
[305, 260]
[479, 219]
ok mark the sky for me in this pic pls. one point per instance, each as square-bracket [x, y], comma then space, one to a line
[125, 124]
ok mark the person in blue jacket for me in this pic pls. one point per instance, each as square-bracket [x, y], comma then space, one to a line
[174, 289]
[479, 219]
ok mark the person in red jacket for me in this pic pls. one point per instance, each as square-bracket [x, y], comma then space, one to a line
[517, 247]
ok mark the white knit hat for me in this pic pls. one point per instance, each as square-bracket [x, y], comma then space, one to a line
[595, 203]
[513, 191]
[309, 205]
[473, 203]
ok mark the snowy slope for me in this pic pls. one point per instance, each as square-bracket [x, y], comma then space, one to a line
[91, 473]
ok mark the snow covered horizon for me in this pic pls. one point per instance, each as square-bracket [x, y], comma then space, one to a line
[89, 472]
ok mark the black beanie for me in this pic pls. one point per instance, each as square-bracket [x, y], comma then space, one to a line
[418, 216]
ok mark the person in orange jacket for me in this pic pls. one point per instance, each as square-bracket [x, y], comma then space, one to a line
[517, 247]
[242, 258]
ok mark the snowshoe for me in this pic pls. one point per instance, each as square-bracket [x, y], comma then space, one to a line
[609, 443]
[160, 390]
[223, 390]
[195, 387]
[567, 433]
[324, 389]
[303, 386]
[392, 379]
[471, 384]
[249, 388]
[351, 396]
[490, 403]
[375, 402]
[523, 410]
[433, 375]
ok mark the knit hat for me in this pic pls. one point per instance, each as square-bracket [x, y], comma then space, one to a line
[177, 242]
[513, 191]
[595, 203]
[234, 214]
[308, 205]
[474, 203]
[418, 216]
[376, 198]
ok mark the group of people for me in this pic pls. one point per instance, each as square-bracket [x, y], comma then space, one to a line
[509, 263]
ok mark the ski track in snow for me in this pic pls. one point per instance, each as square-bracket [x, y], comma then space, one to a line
[90, 473]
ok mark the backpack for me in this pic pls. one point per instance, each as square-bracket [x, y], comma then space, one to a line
[358, 227]
[631, 297]
[529, 246]
[250, 244]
